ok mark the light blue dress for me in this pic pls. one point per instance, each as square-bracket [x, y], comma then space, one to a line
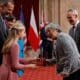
[21, 55]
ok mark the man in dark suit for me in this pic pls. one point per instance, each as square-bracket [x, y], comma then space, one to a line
[3, 29]
[72, 16]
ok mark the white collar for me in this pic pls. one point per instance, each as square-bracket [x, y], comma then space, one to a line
[76, 23]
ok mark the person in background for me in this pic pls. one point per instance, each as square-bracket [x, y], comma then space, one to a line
[72, 16]
[67, 54]
[11, 61]
[47, 48]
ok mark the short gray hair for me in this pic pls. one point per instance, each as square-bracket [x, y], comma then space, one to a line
[74, 11]
[2, 2]
[53, 27]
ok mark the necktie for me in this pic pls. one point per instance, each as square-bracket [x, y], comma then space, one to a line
[73, 31]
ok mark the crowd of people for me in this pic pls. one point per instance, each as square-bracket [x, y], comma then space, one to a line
[65, 53]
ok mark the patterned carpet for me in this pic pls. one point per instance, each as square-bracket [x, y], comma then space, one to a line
[41, 73]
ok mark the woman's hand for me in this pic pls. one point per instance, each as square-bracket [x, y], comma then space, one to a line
[31, 66]
[32, 59]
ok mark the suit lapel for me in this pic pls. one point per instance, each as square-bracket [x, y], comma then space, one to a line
[3, 27]
[77, 32]
[72, 33]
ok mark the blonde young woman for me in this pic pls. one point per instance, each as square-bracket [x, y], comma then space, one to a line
[11, 62]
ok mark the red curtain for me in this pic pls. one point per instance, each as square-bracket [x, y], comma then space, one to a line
[26, 6]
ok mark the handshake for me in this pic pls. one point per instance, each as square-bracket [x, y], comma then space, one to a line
[33, 63]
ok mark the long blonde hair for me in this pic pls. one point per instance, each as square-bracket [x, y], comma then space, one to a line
[17, 28]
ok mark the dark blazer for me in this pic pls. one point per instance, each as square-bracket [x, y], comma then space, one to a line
[47, 45]
[3, 35]
[76, 36]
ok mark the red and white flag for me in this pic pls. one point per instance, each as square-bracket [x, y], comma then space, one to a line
[33, 36]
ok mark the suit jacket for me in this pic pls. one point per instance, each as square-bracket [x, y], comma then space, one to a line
[47, 45]
[76, 36]
[3, 35]
[67, 55]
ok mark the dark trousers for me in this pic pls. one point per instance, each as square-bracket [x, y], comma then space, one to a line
[74, 76]
[47, 52]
